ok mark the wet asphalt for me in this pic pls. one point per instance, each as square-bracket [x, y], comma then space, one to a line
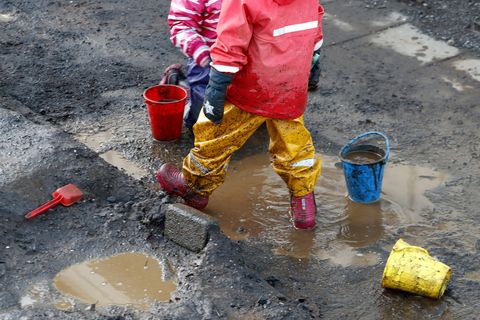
[77, 69]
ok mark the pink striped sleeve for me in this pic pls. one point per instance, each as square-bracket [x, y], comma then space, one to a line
[184, 20]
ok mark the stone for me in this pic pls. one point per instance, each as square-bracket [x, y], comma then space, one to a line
[188, 227]
[7, 300]
[3, 269]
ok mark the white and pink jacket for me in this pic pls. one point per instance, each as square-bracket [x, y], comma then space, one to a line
[193, 25]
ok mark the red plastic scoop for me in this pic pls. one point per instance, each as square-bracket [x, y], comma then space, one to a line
[66, 195]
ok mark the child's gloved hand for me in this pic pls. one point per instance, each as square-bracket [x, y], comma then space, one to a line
[215, 92]
[314, 77]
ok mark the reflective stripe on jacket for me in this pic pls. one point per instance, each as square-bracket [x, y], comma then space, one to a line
[193, 26]
[269, 44]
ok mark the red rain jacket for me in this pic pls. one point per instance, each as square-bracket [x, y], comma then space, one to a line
[268, 44]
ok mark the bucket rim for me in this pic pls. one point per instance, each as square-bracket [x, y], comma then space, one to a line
[381, 134]
[343, 159]
[164, 85]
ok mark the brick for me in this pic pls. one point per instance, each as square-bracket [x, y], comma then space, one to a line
[188, 227]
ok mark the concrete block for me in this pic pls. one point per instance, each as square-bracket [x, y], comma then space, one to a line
[188, 227]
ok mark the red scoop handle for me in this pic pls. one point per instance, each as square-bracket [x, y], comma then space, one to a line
[50, 204]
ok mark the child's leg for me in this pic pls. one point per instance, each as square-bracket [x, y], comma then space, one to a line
[197, 79]
[204, 167]
[294, 155]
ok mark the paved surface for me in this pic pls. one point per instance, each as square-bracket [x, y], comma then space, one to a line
[72, 77]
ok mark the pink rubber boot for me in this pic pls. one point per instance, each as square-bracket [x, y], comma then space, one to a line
[172, 181]
[303, 210]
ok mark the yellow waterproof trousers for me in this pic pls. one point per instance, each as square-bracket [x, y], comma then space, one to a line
[291, 148]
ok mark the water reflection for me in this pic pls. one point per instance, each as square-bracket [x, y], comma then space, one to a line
[254, 201]
[125, 279]
[363, 224]
[299, 244]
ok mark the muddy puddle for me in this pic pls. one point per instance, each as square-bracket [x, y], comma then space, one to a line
[99, 141]
[125, 279]
[96, 141]
[117, 160]
[254, 201]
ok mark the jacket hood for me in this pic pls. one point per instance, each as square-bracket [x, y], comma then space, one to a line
[283, 2]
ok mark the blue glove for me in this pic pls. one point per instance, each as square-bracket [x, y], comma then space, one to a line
[215, 92]
[314, 77]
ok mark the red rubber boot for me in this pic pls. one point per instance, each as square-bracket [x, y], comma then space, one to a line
[303, 210]
[172, 181]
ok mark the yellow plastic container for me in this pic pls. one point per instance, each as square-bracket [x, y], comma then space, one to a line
[412, 269]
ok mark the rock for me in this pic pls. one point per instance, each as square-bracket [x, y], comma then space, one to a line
[3, 269]
[187, 226]
[154, 216]
[476, 24]
[262, 302]
[273, 281]
[7, 300]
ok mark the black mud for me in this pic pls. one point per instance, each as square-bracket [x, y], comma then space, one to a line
[75, 67]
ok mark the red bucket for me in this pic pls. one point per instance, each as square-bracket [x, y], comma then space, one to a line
[165, 105]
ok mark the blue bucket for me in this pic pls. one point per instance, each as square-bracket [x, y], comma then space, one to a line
[363, 176]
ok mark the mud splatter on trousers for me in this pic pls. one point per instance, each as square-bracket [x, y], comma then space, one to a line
[291, 149]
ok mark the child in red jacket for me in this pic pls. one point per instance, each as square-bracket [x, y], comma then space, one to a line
[261, 63]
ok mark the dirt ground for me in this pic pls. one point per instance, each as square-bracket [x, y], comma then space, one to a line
[71, 80]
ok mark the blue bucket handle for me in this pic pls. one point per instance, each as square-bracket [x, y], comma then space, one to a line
[387, 142]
